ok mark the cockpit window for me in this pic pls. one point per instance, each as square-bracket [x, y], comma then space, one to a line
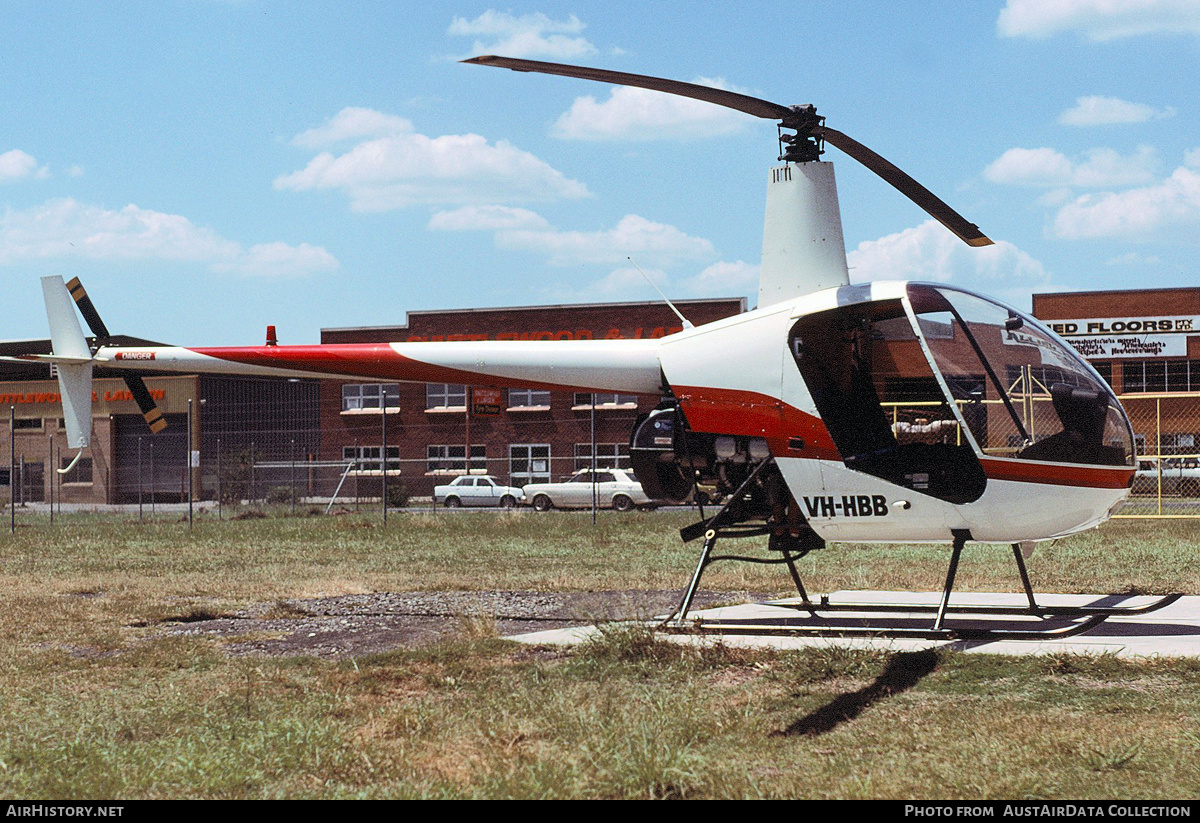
[1021, 392]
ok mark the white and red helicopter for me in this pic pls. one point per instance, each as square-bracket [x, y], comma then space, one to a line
[884, 411]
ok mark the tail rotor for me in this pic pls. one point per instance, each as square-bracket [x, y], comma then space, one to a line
[137, 387]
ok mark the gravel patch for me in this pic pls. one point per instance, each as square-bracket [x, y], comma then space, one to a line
[361, 624]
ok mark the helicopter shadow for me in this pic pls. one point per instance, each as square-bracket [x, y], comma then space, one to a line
[903, 671]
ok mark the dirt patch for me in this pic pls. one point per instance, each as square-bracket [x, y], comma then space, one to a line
[361, 624]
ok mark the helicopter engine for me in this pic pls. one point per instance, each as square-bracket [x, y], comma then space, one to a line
[674, 463]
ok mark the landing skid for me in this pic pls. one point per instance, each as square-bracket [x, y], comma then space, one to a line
[1052, 622]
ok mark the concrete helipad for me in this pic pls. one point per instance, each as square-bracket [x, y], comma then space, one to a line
[1172, 631]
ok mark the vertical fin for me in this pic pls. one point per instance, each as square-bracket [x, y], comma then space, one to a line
[74, 379]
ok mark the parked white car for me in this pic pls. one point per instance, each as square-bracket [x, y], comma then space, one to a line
[614, 487]
[1177, 476]
[477, 490]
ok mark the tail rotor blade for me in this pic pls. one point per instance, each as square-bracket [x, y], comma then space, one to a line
[137, 387]
[147, 406]
[86, 308]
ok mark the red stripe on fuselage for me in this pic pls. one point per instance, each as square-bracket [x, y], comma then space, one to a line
[1058, 474]
[378, 361]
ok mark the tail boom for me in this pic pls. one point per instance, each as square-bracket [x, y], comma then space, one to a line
[625, 366]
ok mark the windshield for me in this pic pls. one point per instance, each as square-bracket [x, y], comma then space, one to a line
[1020, 391]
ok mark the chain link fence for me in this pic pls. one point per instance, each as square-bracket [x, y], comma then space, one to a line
[304, 467]
[1166, 430]
[313, 469]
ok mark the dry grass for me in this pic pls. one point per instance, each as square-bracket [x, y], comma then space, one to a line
[96, 703]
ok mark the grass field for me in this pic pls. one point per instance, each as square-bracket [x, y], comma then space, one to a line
[97, 702]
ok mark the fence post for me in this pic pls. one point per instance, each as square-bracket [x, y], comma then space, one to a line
[594, 495]
[190, 468]
[292, 454]
[383, 448]
[12, 469]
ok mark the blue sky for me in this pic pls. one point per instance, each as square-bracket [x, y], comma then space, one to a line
[211, 167]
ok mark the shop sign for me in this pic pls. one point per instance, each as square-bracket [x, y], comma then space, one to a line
[1128, 337]
[487, 402]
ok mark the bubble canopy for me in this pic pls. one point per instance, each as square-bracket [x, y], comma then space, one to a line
[918, 389]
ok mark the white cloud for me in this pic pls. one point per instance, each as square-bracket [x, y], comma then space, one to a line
[353, 123]
[929, 252]
[395, 167]
[640, 114]
[1167, 209]
[722, 279]
[1106, 111]
[280, 259]
[67, 228]
[1098, 20]
[634, 242]
[654, 244]
[1133, 259]
[626, 283]
[527, 35]
[17, 165]
[486, 218]
[1052, 169]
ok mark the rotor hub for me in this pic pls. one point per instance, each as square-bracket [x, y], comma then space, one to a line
[805, 145]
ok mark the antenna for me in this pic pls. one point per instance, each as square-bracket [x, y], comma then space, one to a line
[687, 324]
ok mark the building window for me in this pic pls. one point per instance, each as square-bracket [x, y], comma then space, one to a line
[529, 463]
[81, 472]
[367, 457]
[453, 459]
[358, 396]
[608, 456]
[528, 398]
[1178, 443]
[1160, 375]
[27, 424]
[586, 401]
[445, 396]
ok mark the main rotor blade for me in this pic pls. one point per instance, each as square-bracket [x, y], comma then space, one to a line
[721, 97]
[801, 118]
[968, 232]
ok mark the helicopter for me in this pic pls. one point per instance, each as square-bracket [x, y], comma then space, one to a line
[832, 412]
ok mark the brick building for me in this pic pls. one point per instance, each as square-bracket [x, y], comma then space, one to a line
[517, 434]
